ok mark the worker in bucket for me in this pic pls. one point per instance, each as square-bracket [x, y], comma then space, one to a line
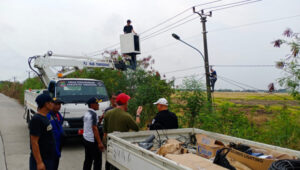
[42, 142]
[128, 28]
[56, 121]
[164, 119]
[91, 138]
[213, 78]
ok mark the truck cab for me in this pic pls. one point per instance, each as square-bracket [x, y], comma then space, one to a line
[74, 93]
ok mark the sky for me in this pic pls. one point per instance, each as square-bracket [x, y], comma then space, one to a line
[80, 27]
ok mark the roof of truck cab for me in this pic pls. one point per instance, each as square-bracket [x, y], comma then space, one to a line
[78, 79]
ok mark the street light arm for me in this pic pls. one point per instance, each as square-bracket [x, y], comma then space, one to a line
[193, 48]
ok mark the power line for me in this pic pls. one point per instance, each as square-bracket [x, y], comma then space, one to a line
[254, 23]
[197, 67]
[160, 31]
[191, 68]
[102, 50]
[147, 30]
[229, 28]
[243, 65]
[233, 83]
[207, 3]
[218, 9]
[163, 31]
[154, 34]
[167, 20]
[181, 77]
[240, 83]
[168, 26]
[231, 4]
[171, 18]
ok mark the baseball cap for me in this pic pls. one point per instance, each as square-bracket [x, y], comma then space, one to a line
[122, 98]
[162, 101]
[92, 100]
[42, 99]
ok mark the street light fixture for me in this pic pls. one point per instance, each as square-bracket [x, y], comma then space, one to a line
[178, 38]
[205, 63]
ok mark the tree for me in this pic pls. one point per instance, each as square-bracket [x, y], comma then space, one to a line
[144, 85]
[192, 100]
[290, 63]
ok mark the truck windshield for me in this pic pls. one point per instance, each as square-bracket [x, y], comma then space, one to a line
[79, 91]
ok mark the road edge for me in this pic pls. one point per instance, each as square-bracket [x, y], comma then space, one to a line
[3, 165]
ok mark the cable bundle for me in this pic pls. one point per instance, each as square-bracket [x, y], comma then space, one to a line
[285, 164]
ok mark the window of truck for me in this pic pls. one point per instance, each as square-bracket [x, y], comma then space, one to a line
[79, 91]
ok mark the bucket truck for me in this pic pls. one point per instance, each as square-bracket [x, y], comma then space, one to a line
[74, 92]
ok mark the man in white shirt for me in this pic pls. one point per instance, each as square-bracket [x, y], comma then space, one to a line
[91, 138]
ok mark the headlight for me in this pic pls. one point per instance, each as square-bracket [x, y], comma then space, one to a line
[66, 124]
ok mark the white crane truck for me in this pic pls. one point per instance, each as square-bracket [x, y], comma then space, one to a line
[74, 92]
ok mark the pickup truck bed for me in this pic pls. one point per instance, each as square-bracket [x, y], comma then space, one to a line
[123, 153]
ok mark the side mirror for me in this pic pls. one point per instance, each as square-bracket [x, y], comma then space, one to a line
[51, 87]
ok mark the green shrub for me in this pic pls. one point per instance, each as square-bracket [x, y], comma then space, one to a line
[228, 120]
[192, 101]
[283, 130]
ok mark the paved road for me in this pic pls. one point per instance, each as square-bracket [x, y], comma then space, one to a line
[16, 140]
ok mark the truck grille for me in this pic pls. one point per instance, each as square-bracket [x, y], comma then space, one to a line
[75, 122]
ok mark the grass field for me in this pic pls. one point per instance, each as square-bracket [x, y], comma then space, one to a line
[262, 117]
[259, 107]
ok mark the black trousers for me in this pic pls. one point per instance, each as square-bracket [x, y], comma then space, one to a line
[49, 164]
[212, 83]
[56, 162]
[92, 156]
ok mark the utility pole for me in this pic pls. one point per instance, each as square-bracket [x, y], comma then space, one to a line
[28, 74]
[203, 17]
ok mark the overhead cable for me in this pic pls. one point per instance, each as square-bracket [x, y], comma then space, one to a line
[150, 29]
[197, 67]
[232, 83]
[165, 29]
[218, 9]
[230, 4]
[227, 28]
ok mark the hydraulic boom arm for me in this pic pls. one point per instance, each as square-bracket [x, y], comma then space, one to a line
[46, 65]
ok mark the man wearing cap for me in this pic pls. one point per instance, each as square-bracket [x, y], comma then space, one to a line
[56, 121]
[118, 119]
[128, 28]
[42, 143]
[164, 119]
[91, 138]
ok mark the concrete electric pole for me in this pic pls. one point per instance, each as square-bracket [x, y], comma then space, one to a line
[203, 17]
